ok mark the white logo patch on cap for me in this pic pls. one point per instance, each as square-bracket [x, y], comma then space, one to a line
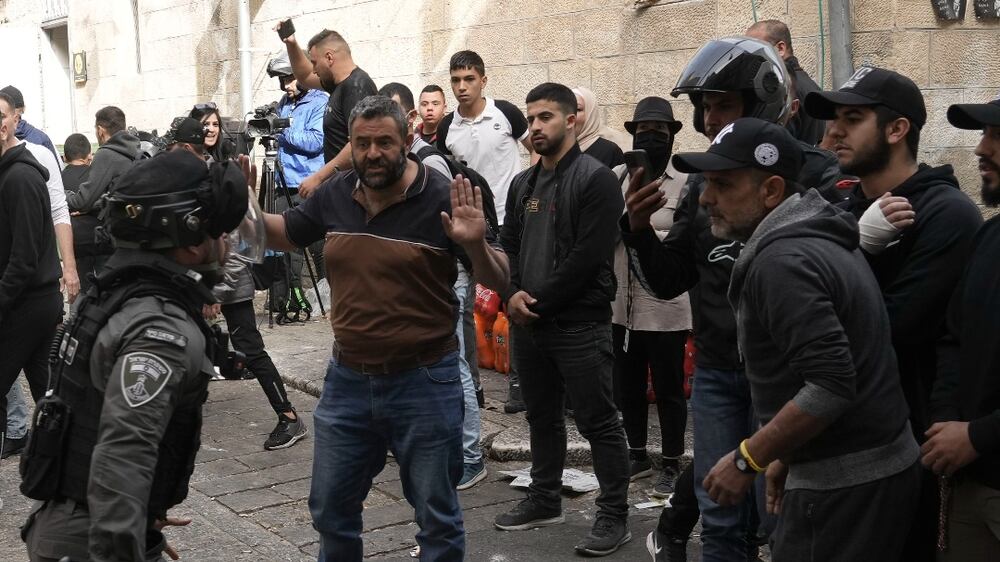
[857, 77]
[722, 134]
[766, 154]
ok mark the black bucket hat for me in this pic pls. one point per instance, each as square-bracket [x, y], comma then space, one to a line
[653, 109]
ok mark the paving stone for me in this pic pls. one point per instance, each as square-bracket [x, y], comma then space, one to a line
[252, 500]
[296, 490]
[219, 468]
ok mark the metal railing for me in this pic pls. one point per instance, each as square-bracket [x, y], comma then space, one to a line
[55, 9]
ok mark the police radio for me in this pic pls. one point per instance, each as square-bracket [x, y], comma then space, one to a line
[41, 462]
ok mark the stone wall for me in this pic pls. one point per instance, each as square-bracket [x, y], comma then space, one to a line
[188, 50]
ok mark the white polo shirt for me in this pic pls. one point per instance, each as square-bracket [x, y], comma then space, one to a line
[487, 144]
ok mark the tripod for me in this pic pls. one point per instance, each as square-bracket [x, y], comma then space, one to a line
[273, 178]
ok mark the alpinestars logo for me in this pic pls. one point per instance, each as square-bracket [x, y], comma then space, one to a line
[724, 252]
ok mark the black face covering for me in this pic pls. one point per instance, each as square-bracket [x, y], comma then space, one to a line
[658, 146]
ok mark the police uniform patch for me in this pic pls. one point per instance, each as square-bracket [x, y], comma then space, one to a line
[165, 336]
[143, 376]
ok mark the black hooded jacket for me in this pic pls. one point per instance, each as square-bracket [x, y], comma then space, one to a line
[918, 273]
[813, 331]
[29, 263]
[691, 259]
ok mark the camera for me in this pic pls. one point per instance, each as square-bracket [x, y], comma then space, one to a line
[266, 122]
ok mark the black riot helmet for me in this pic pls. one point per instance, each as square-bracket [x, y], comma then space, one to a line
[738, 64]
[173, 201]
[279, 66]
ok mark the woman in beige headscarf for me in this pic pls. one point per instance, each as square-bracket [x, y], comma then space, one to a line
[596, 138]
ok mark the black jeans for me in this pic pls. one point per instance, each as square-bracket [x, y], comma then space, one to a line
[662, 353]
[26, 333]
[246, 338]
[555, 358]
[865, 522]
[677, 520]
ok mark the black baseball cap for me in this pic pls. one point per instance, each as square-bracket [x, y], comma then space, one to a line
[747, 143]
[975, 116]
[872, 86]
[190, 130]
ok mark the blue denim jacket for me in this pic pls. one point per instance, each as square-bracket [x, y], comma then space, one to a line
[300, 146]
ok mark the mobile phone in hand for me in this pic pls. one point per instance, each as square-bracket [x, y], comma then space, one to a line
[635, 159]
[286, 29]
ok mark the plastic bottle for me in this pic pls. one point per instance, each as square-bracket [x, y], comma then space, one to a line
[501, 334]
[484, 342]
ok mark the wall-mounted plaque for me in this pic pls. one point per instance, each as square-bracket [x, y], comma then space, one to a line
[987, 9]
[950, 10]
[80, 67]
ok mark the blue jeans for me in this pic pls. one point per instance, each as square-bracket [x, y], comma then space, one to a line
[723, 416]
[471, 425]
[416, 413]
[17, 413]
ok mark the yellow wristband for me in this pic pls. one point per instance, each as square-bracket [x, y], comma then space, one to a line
[746, 454]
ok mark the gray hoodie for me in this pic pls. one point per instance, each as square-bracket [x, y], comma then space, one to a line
[813, 330]
[111, 160]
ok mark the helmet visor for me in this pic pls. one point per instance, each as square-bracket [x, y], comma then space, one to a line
[727, 65]
[249, 240]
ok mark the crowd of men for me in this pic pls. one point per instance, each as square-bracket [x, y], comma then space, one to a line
[846, 398]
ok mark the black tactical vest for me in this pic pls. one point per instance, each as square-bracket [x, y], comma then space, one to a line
[181, 440]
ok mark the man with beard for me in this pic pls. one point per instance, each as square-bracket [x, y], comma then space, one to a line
[834, 436]
[875, 121]
[560, 232]
[964, 441]
[691, 259]
[331, 68]
[391, 228]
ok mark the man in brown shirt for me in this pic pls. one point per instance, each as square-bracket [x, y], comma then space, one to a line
[392, 228]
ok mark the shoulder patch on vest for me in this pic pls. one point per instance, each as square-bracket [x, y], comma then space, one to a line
[143, 376]
[164, 336]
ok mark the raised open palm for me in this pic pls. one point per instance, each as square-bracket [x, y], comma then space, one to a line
[466, 224]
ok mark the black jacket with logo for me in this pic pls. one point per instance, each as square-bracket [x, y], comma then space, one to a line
[588, 204]
[691, 259]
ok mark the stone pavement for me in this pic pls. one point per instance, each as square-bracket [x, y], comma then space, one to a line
[251, 504]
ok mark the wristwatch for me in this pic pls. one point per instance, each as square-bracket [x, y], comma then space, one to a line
[741, 462]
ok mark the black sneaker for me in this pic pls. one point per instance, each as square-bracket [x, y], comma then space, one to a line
[665, 483]
[286, 433]
[514, 403]
[528, 515]
[665, 549]
[13, 447]
[607, 535]
[639, 467]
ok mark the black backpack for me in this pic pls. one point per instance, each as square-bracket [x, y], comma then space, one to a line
[458, 167]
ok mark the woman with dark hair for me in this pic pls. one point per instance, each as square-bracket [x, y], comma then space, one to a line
[217, 146]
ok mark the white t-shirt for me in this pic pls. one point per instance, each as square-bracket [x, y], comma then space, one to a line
[57, 194]
[488, 144]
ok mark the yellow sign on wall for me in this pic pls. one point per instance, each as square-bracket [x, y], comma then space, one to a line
[80, 67]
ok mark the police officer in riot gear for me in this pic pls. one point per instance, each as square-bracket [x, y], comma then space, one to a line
[115, 438]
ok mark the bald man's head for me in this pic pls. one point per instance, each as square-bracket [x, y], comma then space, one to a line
[774, 32]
